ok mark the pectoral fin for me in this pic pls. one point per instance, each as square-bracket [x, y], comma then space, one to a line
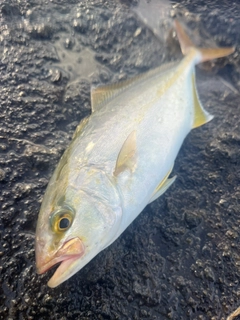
[201, 116]
[163, 186]
[127, 155]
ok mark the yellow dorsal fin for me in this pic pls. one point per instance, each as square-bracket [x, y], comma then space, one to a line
[127, 155]
[205, 54]
[201, 116]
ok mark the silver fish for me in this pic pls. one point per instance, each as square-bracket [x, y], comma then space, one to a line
[119, 160]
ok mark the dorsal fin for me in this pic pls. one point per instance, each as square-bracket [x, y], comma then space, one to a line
[127, 155]
[201, 116]
[102, 94]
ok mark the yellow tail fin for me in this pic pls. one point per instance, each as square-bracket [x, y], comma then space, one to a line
[206, 54]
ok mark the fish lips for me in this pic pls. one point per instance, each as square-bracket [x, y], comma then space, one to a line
[71, 251]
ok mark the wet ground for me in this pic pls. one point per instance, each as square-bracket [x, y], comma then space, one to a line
[180, 259]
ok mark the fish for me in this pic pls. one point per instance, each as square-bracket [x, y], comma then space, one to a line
[119, 160]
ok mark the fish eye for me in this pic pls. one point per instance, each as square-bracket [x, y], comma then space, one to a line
[64, 223]
[61, 219]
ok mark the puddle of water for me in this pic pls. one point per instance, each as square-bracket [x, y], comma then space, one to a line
[157, 15]
[76, 62]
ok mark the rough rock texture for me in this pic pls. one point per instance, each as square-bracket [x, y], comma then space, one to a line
[180, 259]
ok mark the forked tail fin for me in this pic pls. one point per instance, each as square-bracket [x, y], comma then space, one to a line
[205, 54]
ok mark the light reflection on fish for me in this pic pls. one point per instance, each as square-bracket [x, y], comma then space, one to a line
[119, 160]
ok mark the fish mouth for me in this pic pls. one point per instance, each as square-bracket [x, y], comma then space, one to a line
[67, 255]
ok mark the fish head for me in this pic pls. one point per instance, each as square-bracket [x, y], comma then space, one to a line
[74, 225]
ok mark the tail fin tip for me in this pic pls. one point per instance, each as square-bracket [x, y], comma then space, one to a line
[206, 54]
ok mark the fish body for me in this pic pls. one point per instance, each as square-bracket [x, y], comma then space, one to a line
[118, 161]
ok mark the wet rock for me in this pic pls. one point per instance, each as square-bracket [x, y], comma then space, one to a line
[41, 31]
[55, 75]
[180, 258]
[192, 219]
[2, 175]
[10, 10]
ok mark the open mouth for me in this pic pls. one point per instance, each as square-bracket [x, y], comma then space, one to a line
[64, 271]
[67, 255]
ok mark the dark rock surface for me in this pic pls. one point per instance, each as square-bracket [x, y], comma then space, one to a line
[180, 259]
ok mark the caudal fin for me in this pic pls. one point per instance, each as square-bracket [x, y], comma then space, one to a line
[205, 54]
